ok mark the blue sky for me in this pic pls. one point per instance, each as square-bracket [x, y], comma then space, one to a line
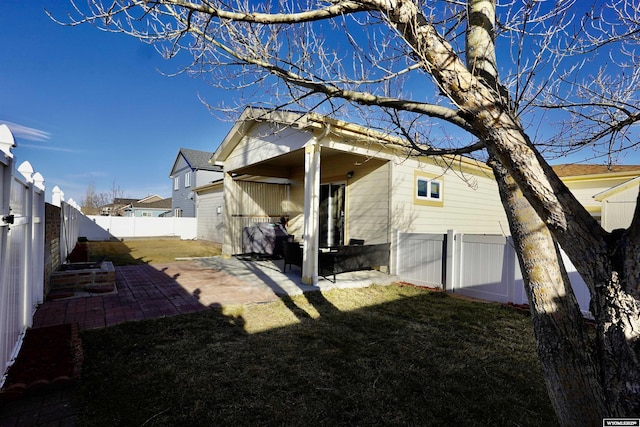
[95, 106]
[92, 107]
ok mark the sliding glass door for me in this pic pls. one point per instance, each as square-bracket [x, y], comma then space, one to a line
[332, 197]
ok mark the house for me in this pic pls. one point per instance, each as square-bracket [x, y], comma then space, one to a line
[149, 208]
[191, 169]
[333, 181]
[115, 208]
[609, 193]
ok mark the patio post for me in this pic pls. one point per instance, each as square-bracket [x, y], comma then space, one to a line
[311, 237]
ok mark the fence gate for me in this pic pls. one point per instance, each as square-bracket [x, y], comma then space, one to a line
[21, 248]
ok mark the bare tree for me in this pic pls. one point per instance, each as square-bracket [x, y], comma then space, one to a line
[92, 201]
[570, 63]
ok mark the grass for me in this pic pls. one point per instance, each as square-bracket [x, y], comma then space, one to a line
[154, 251]
[393, 355]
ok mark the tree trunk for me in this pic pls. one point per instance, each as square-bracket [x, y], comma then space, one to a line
[599, 257]
[563, 344]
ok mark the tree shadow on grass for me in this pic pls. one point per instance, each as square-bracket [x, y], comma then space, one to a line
[411, 358]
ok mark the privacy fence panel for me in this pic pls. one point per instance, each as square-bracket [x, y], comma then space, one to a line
[421, 258]
[479, 266]
[95, 227]
[488, 269]
[21, 248]
[69, 229]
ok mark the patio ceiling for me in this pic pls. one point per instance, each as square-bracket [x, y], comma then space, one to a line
[284, 166]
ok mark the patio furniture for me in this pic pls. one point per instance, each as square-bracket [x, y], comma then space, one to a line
[353, 258]
[292, 252]
[263, 238]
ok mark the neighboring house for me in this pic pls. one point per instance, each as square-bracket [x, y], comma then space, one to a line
[608, 193]
[149, 208]
[116, 208]
[191, 169]
[335, 181]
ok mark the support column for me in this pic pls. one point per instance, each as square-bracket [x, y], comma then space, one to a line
[311, 237]
[230, 231]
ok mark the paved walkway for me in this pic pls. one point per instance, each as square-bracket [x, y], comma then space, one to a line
[152, 291]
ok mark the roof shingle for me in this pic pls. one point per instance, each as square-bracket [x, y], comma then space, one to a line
[577, 169]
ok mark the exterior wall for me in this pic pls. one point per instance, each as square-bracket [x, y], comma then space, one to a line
[265, 142]
[617, 210]
[210, 221]
[180, 196]
[368, 208]
[296, 204]
[253, 202]
[203, 177]
[470, 205]
[52, 229]
[584, 189]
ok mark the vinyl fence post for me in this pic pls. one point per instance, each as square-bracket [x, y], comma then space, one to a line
[450, 261]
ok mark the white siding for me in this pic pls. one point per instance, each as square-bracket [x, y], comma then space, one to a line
[368, 203]
[203, 177]
[265, 142]
[617, 210]
[585, 189]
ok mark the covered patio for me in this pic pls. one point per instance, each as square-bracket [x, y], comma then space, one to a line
[327, 185]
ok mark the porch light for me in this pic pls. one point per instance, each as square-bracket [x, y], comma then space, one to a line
[349, 174]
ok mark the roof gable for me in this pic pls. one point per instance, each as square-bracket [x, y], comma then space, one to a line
[634, 182]
[195, 159]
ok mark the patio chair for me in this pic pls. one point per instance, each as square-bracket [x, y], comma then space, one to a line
[292, 252]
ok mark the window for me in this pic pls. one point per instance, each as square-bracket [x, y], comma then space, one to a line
[428, 190]
[176, 183]
[187, 179]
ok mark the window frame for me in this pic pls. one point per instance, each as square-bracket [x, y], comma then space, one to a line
[176, 183]
[187, 179]
[431, 182]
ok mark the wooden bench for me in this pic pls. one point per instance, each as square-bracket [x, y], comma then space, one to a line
[353, 258]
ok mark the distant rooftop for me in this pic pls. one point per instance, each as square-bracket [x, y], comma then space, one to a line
[577, 169]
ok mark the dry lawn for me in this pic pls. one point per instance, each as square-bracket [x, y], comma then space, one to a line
[151, 251]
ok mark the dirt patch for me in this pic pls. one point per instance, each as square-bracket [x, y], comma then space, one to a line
[50, 357]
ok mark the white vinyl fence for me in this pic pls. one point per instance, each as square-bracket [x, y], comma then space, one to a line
[95, 227]
[21, 248]
[479, 266]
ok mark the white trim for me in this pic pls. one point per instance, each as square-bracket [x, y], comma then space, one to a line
[431, 185]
